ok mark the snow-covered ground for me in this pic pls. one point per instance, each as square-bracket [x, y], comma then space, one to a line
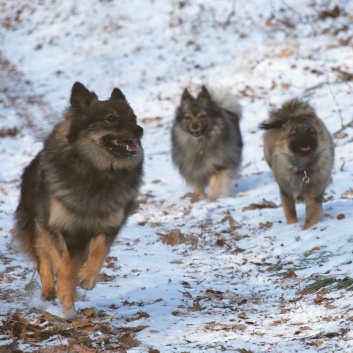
[238, 280]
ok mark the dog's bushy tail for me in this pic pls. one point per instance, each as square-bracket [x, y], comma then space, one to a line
[290, 110]
[226, 100]
[273, 125]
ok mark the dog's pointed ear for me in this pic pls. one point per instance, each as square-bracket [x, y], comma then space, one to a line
[186, 95]
[204, 93]
[117, 94]
[81, 97]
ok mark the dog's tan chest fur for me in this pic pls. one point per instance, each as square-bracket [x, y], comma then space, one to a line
[62, 218]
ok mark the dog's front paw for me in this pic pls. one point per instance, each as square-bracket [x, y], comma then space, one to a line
[212, 197]
[308, 224]
[69, 312]
[87, 280]
[48, 295]
[89, 283]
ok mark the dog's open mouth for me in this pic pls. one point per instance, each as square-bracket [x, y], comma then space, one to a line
[197, 133]
[121, 148]
[305, 149]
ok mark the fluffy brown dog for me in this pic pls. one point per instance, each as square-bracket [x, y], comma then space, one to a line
[78, 192]
[299, 149]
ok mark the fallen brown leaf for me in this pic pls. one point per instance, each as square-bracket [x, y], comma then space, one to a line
[242, 315]
[319, 343]
[129, 340]
[264, 204]
[347, 194]
[175, 237]
[305, 328]
[176, 313]
[233, 224]
[343, 75]
[335, 12]
[266, 225]
[212, 294]
[196, 307]
[341, 216]
[8, 132]
[140, 315]
[89, 312]
[290, 274]
[152, 350]
[307, 291]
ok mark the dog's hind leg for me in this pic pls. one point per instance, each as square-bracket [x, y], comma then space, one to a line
[53, 255]
[43, 249]
[198, 191]
[220, 185]
[98, 250]
[32, 242]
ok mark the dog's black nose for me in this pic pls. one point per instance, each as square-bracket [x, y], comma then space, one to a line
[138, 131]
[195, 126]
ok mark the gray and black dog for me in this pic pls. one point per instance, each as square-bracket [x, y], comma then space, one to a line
[206, 141]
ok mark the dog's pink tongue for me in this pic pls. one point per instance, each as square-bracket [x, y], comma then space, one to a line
[196, 133]
[129, 145]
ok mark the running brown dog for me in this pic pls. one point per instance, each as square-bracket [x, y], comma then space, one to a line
[299, 149]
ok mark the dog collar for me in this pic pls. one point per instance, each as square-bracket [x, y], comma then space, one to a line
[305, 172]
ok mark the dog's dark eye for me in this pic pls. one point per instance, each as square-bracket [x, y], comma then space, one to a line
[187, 117]
[203, 116]
[312, 132]
[294, 133]
[111, 119]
